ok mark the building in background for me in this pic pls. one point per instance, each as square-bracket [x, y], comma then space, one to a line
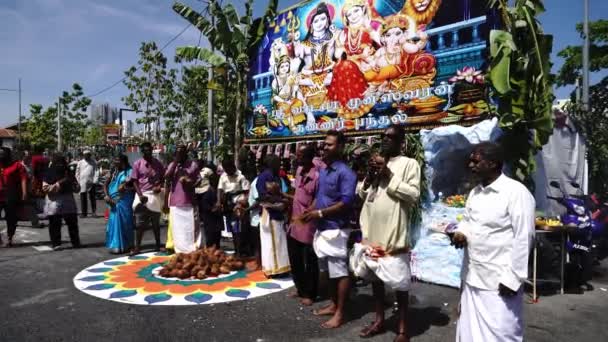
[103, 114]
[127, 127]
[8, 138]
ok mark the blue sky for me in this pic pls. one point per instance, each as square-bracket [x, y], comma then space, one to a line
[51, 44]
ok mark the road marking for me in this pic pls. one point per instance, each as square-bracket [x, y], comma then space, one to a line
[43, 248]
[44, 297]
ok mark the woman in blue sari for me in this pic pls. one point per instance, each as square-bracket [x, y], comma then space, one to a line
[119, 197]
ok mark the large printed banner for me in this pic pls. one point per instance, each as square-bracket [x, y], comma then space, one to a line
[359, 65]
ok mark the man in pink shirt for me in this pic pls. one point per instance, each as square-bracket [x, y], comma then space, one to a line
[147, 176]
[181, 176]
[302, 257]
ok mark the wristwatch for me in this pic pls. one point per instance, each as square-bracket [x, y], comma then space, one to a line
[320, 213]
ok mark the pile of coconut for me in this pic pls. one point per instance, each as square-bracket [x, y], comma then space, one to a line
[201, 264]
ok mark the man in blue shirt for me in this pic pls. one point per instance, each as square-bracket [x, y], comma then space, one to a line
[331, 212]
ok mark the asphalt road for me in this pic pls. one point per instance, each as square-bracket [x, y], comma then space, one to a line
[40, 303]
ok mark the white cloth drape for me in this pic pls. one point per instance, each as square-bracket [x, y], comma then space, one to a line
[486, 316]
[393, 270]
[273, 240]
[184, 227]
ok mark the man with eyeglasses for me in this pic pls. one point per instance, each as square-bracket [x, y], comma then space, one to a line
[391, 188]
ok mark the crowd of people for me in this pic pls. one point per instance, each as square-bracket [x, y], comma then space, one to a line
[328, 219]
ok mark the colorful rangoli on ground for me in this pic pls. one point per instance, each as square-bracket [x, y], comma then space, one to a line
[135, 280]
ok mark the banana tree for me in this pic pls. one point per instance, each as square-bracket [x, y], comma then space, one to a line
[520, 76]
[233, 39]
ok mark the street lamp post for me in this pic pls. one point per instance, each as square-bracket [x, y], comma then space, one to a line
[586, 56]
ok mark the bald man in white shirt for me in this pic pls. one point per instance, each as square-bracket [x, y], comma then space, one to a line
[497, 232]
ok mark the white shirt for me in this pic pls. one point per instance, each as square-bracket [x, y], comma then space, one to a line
[254, 214]
[229, 184]
[204, 183]
[499, 226]
[85, 173]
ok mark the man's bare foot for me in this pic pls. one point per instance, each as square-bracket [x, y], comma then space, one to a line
[333, 323]
[401, 337]
[306, 301]
[372, 330]
[325, 311]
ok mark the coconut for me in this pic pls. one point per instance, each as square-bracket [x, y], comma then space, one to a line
[188, 266]
[215, 271]
[201, 275]
[179, 266]
[173, 273]
[237, 265]
[224, 269]
[195, 270]
[163, 272]
[183, 274]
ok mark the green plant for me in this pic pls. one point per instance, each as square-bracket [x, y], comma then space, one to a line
[152, 92]
[234, 38]
[593, 125]
[573, 55]
[41, 126]
[519, 74]
[414, 149]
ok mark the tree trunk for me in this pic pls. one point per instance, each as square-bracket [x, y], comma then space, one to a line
[241, 101]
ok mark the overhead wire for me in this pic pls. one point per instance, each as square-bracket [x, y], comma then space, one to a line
[125, 77]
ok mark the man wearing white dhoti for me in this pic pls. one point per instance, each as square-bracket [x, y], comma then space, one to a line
[331, 211]
[391, 188]
[497, 231]
[273, 238]
[181, 176]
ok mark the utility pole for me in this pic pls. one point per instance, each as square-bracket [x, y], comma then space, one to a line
[19, 123]
[210, 105]
[586, 56]
[59, 142]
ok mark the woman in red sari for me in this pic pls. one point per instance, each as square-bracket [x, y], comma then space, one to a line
[355, 44]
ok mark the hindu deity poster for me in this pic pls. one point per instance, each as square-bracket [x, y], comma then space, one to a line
[360, 65]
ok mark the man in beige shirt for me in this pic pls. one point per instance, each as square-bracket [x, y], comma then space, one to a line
[391, 188]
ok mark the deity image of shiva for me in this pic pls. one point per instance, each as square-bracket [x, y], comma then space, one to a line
[402, 54]
[286, 93]
[317, 53]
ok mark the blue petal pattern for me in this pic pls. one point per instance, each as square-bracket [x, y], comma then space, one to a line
[99, 270]
[157, 298]
[268, 286]
[138, 257]
[123, 294]
[93, 278]
[101, 286]
[114, 263]
[238, 293]
[199, 297]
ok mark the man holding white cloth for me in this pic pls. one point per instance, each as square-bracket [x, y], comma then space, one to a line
[497, 231]
[147, 176]
[391, 188]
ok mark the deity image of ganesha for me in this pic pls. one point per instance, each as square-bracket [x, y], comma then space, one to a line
[402, 55]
